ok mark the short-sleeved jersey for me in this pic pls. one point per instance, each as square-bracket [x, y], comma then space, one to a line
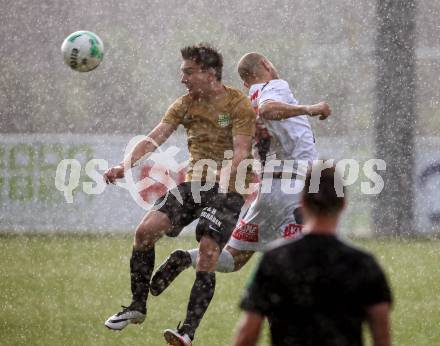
[292, 138]
[315, 291]
[210, 127]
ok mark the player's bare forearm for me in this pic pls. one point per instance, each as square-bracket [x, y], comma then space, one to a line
[249, 328]
[155, 138]
[275, 110]
[146, 146]
[242, 148]
[379, 323]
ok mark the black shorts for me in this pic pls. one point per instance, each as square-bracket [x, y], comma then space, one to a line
[217, 212]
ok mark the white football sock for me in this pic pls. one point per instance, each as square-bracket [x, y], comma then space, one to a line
[193, 253]
[225, 262]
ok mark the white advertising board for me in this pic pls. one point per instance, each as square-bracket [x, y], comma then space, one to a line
[31, 201]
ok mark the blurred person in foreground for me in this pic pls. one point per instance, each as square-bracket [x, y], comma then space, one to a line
[316, 289]
[283, 134]
[219, 120]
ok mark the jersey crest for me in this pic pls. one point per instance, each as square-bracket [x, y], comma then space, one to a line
[224, 120]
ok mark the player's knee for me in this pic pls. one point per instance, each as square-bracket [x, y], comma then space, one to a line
[209, 252]
[150, 229]
[239, 257]
[207, 257]
[141, 238]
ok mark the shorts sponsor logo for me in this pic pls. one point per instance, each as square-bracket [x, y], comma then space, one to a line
[211, 218]
[246, 232]
[292, 230]
[208, 214]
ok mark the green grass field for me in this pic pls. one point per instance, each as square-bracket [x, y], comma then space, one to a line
[58, 290]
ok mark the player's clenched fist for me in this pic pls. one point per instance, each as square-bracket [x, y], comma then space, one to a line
[113, 173]
[322, 109]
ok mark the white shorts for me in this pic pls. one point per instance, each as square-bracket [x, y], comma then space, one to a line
[271, 216]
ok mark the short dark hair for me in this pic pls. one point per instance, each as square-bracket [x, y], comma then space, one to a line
[325, 201]
[206, 56]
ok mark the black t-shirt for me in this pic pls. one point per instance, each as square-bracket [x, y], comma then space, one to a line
[315, 290]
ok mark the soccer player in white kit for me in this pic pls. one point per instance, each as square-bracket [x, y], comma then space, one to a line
[274, 213]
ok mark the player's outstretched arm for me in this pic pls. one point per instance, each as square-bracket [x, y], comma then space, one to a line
[153, 140]
[144, 147]
[276, 110]
[248, 329]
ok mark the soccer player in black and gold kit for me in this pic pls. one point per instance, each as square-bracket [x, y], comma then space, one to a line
[219, 121]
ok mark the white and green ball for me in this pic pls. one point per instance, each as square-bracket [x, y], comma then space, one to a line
[83, 51]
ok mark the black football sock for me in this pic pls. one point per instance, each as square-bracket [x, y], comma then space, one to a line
[141, 267]
[199, 299]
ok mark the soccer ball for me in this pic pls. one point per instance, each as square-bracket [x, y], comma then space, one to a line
[82, 51]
